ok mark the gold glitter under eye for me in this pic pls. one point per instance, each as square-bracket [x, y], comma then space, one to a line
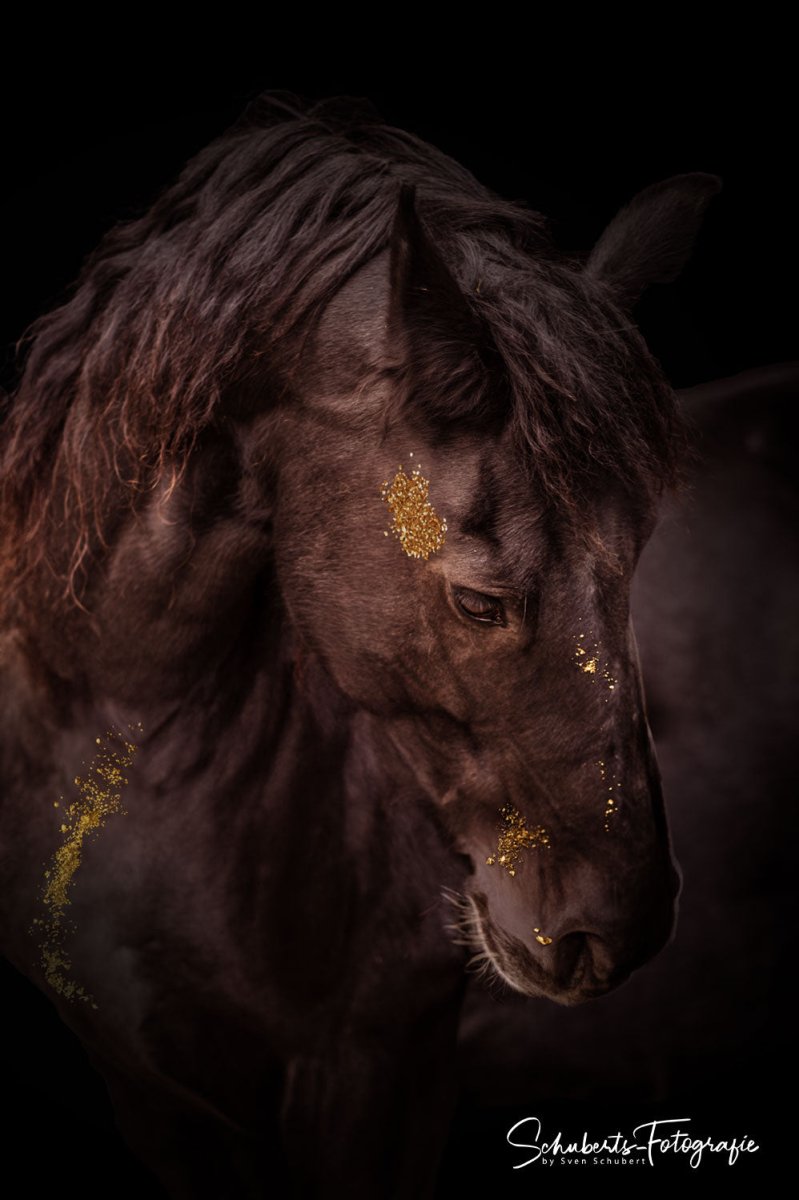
[420, 530]
[99, 796]
[514, 838]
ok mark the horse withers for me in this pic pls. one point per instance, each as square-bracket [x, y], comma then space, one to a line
[321, 503]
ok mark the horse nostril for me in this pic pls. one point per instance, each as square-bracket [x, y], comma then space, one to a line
[581, 955]
[570, 950]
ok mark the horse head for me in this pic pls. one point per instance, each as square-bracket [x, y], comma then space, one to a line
[443, 486]
[468, 471]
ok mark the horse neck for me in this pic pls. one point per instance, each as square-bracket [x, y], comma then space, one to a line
[256, 746]
[187, 636]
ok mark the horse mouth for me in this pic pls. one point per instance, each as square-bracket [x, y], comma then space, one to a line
[561, 980]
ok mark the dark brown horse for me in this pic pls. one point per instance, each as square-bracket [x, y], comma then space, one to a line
[321, 502]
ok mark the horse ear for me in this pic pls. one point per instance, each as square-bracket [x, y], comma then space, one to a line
[651, 238]
[449, 354]
[425, 299]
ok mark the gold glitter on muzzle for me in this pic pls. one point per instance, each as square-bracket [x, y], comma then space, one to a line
[514, 838]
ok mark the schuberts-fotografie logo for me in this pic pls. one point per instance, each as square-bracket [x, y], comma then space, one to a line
[645, 1146]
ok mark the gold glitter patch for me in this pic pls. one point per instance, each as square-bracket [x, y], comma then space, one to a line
[514, 838]
[542, 937]
[414, 520]
[611, 801]
[99, 796]
[590, 665]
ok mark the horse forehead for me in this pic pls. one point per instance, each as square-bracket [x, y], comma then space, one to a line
[490, 492]
[584, 564]
[456, 473]
[480, 486]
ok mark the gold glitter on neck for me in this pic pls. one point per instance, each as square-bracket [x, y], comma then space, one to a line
[514, 838]
[415, 522]
[542, 937]
[99, 796]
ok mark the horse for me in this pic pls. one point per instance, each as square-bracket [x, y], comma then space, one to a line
[322, 496]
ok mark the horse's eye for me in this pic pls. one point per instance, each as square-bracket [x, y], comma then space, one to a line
[479, 606]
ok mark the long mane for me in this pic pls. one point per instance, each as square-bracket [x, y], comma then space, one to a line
[207, 297]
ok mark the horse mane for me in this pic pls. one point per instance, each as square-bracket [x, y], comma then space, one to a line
[178, 311]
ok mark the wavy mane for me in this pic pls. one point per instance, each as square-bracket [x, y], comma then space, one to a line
[179, 313]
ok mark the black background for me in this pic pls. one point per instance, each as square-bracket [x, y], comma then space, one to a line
[91, 141]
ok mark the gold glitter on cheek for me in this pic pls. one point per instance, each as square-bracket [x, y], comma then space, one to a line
[590, 665]
[542, 937]
[514, 838]
[611, 799]
[99, 796]
[414, 520]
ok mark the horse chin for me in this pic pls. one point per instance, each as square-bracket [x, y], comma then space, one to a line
[566, 997]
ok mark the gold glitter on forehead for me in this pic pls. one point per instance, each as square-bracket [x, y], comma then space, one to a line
[99, 796]
[414, 520]
[514, 838]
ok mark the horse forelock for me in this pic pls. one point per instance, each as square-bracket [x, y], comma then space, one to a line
[179, 311]
[571, 376]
